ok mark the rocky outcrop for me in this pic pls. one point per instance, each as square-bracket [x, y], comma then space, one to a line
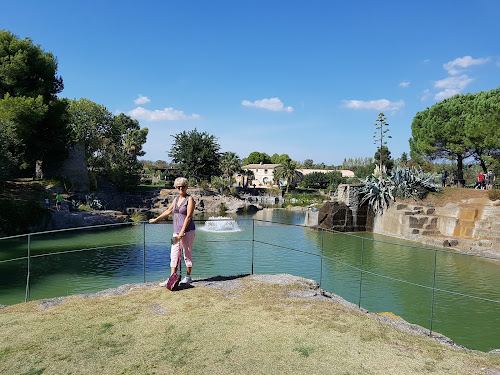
[206, 201]
[345, 214]
[340, 217]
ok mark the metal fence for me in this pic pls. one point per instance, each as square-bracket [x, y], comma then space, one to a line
[256, 240]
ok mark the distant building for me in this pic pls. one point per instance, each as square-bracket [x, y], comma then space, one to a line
[263, 174]
[345, 172]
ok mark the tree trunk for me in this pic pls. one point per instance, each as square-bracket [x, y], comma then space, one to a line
[460, 171]
[482, 163]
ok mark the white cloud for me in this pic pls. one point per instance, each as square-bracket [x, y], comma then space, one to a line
[453, 67]
[141, 100]
[167, 114]
[452, 86]
[426, 94]
[379, 105]
[273, 104]
[404, 84]
[448, 93]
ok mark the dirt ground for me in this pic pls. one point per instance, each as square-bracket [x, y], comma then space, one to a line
[453, 195]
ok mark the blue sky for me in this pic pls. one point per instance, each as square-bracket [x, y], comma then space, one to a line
[306, 78]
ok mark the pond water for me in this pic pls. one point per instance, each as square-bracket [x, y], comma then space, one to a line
[397, 276]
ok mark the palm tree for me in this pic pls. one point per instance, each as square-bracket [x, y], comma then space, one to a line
[287, 170]
[230, 164]
[250, 175]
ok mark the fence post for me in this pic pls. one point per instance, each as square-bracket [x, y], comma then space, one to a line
[321, 267]
[253, 241]
[433, 291]
[361, 270]
[27, 296]
[144, 250]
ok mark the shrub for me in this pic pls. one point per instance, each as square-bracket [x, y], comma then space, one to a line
[192, 182]
[137, 217]
[494, 194]
[204, 185]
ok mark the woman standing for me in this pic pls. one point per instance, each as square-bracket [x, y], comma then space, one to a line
[184, 229]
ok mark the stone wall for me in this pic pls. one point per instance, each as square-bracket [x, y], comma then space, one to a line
[471, 226]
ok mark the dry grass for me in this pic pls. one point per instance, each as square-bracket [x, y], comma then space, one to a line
[256, 329]
[453, 195]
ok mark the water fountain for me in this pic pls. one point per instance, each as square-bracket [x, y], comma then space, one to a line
[220, 224]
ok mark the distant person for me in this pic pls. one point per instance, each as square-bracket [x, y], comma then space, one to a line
[184, 229]
[47, 203]
[444, 176]
[480, 181]
[490, 180]
[59, 199]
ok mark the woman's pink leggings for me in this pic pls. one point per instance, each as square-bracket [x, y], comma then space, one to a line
[186, 244]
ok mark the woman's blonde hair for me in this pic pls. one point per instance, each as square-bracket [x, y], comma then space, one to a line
[181, 181]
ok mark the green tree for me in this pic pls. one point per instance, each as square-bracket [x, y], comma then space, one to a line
[439, 132]
[112, 143]
[197, 154]
[257, 158]
[34, 130]
[286, 171]
[26, 70]
[230, 164]
[482, 126]
[36, 120]
[284, 158]
[316, 180]
[7, 160]
[307, 164]
[275, 158]
[384, 156]
[95, 125]
[403, 159]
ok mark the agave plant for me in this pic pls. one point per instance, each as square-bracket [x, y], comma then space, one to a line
[403, 182]
[411, 182]
[378, 193]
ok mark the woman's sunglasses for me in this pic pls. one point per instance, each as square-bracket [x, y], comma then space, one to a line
[181, 187]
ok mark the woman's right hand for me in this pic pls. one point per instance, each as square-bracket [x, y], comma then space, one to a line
[152, 221]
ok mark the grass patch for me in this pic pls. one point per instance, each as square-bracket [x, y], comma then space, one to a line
[256, 330]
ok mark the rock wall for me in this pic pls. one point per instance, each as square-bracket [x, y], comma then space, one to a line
[205, 201]
[471, 226]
